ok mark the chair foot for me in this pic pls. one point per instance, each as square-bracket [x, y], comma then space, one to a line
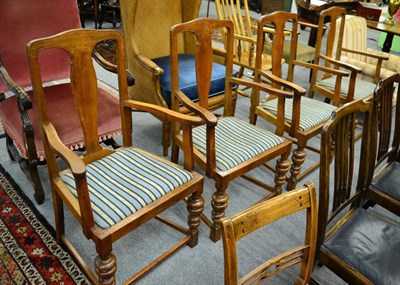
[215, 233]
[106, 268]
[219, 204]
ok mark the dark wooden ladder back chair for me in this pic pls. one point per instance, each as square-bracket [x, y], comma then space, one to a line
[18, 112]
[385, 151]
[304, 117]
[247, 221]
[110, 192]
[358, 245]
[228, 147]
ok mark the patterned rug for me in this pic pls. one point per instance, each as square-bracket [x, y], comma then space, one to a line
[29, 253]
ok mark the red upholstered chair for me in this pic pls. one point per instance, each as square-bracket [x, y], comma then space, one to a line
[20, 22]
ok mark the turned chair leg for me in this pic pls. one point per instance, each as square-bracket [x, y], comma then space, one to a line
[195, 207]
[166, 136]
[282, 168]
[298, 159]
[219, 204]
[105, 266]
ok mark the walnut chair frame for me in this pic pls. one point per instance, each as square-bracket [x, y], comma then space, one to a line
[303, 117]
[221, 162]
[384, 188]
[357, 245]
[18, 111]
[146, 30]
[249, 220]
[75, 186]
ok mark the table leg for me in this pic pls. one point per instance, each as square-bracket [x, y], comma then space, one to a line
[388, 42]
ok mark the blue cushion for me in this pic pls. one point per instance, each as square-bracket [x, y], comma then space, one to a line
[124, 182]
[187, 77]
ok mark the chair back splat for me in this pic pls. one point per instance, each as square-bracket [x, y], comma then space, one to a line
[247, 221]
[110, 192]
[358, 245]
[18, 112]
[226, 147]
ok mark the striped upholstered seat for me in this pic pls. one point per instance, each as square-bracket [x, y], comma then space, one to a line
[312, 112]
[125, 182]
[235, 141]
[362, 90]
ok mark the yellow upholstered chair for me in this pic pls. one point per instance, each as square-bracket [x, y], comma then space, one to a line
[110, 192]
[258, 216]
[146, 30]
[228, 147]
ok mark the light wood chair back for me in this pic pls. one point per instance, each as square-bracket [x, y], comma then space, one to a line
[102, 187]
[247, 221]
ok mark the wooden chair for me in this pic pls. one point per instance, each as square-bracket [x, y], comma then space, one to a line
[89, 9]
[146, 28]
[245, 40]
[247, 221]
[358, 245]
[303, 117]
[18, 112]
[109, 191]
[226, 148]
[349, 88]
[384, 189]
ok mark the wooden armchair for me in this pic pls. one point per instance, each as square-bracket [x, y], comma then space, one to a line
[384, 189]
[359, 246]
[326, 84]
[146, 30]
[249, 220]
[110, 192]
[303, 117]
[245, 40]
[228, 147]
[18, 110]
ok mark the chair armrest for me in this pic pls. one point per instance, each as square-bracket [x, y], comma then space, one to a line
[24, 100]
[297, 89]
[149, 65]
[112, 67]
[162, 112]
[247, 39]
[73, 161]
[341, 64]
[378, 57]
[321, 68]
[263, 87]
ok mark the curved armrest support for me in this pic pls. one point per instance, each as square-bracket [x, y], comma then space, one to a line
[322, 68]
[297, 89]
[163, 112]
[112, 67]
[24, 100]
[73, 161]
[377, 56]
[341, 64]
[149, 65]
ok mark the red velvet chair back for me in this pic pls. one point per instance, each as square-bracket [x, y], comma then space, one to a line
[24, 20]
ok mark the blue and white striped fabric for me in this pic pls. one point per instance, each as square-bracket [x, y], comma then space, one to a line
[312, 112]
[235, 141]
[362, 90]
[125, 182]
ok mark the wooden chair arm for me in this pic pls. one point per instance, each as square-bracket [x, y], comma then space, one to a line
[164, 113]
[310, 25]
[73, 161]
[24, 100]
[284, 83]
[247, 39]
[149, 65]
[322, 68]
[262, 87]
[379, 57]
[112, 67]
[207, 116]
[353, 68]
